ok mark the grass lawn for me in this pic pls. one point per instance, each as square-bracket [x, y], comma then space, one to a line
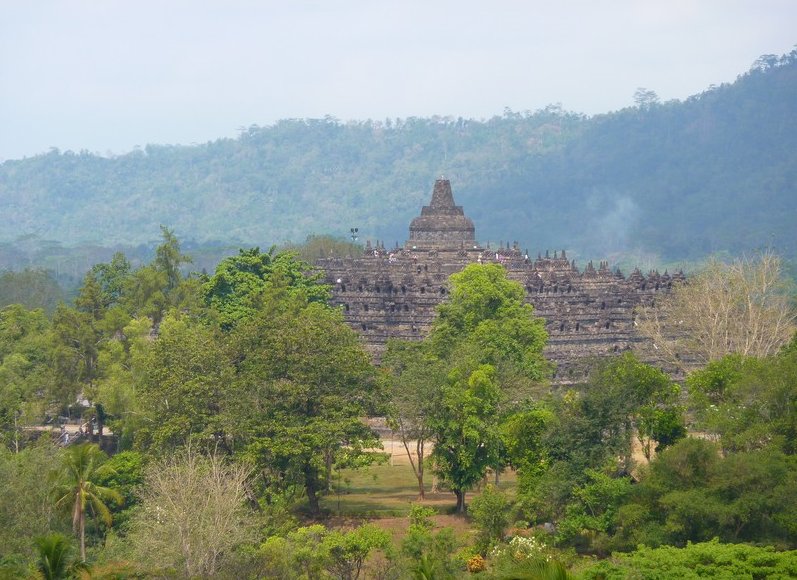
[384, 493]
[389, 489]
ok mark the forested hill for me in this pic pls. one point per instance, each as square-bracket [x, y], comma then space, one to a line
[714, 173]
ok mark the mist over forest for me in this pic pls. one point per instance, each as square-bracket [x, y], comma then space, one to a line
[657, 183]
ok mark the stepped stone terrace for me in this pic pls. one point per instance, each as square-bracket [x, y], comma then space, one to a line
[393, 292]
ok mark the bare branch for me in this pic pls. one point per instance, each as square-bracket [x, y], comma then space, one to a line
[744, 307]
[193, 512]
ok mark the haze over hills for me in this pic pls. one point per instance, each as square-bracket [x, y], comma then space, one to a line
[716, 173]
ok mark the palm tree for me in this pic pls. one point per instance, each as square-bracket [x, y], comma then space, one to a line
[81, 464]
[55, 557]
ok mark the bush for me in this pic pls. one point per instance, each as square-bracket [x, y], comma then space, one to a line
[705, 560]
[490, 513]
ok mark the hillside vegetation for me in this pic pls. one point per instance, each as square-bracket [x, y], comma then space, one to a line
[716, 173]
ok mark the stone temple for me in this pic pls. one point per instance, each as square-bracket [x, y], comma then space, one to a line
[393, 292]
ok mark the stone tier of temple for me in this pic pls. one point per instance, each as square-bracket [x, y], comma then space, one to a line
[393, 292]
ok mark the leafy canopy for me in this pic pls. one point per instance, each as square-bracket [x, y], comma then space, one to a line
[240, 283]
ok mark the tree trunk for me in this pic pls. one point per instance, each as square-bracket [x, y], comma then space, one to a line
[82, 526]
[497, 476]
[419, 474]
[460, 493]
[328, 457]
[311, 487]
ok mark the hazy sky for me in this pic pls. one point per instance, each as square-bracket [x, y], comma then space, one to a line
[108, 75]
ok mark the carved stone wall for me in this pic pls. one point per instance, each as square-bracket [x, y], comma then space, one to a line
[393, 293]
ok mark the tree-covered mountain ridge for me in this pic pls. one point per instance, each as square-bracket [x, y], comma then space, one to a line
[715, 173]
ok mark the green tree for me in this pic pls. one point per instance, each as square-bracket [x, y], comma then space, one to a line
[317, 552]
[593, 429]
[123, 361]
[76, 340]
[491, 343]
[621, 399]
[146, 293]
[26, 373]
[240, 283]
[77, 490]
[592, 516]
[523, 436]
[418, 530]
[124, 472]
[749, 403]
[304, 382]
[169, 259]
[466, 435]
[429, 554]
[155, 288]
[414, 385]
[347, 551]
[181, 390]
[90, 298]
[692, 493]
[304, 547]
[486, 318]
[112, 277]
[26, 506]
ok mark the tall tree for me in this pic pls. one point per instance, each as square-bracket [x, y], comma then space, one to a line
[77, 490]
[491, 344]
[112, 278]
[180, 389]
[76, 342]
[523, 435]
[125, 364]
[466, 430]
[169, 258]
[415, 384]
[486, 318]
[90, 298]
[26, 375]
[239, 285]
[155, 288]
[304, 382]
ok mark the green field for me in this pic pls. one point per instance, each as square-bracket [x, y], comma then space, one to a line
[388, 490]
